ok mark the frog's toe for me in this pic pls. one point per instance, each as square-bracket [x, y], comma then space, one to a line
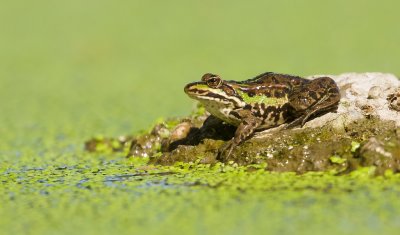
[298, 121]
[304, 121]
[224, 152]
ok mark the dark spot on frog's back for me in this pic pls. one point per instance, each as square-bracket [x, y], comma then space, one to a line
[270, 110]
[247, 107]
[295, 81]
[313, 95]
[258, 109]
[287, 111]
[265, 92]
[277, 116]
[251, 93]
[279, 93]
[334, 90]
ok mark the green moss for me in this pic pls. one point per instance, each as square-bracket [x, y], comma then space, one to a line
[298, 150]
[354, 146]
[336, 159]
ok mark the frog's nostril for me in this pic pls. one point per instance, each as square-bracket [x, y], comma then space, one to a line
[190, 88]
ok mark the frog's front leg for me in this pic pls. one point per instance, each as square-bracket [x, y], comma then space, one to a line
[245, 129]
[318, 96]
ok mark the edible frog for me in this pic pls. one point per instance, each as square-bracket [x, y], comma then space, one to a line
[265, 101]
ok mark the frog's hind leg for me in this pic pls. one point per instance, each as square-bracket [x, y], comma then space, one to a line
[321, 95]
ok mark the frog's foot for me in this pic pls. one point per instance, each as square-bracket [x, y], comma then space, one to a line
[245, 129]
[300, 120]
[225, 151]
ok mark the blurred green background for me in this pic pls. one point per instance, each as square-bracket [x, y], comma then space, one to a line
[73, 69]
[121, 64]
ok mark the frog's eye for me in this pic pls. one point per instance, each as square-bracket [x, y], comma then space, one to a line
[207, 76]
[212, 80]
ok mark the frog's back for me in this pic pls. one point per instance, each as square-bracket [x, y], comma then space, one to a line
[271, 78]
[269, 84]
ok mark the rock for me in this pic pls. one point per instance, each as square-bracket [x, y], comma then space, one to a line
[394, 100]
[364, 95]
[375, 92]
[375, 153]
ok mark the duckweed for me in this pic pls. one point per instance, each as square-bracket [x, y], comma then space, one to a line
[127, 196]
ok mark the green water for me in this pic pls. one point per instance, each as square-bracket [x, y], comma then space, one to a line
[71, 70]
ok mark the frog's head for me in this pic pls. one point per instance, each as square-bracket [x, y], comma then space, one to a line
[212, 90]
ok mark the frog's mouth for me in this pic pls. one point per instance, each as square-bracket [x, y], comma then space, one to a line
[202, 92]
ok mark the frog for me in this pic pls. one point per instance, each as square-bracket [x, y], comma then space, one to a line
[263, 102]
